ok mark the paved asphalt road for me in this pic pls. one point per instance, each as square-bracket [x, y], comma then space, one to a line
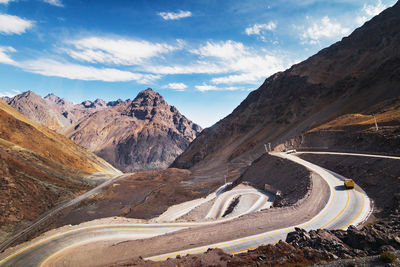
[344, 208]
[38, 223]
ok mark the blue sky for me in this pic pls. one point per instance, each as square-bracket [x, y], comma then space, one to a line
[203, 56]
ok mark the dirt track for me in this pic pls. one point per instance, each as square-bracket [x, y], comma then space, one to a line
[109, 252]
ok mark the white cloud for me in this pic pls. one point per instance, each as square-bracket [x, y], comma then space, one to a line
[6, 1]
[257, 29]
[323, 29]
[10, 24]
[175, 15]
[4, 58]
[54, 2]
[242, 64]
[176, 86]
[13, 93]
[206, 87]
[370, 11]
[228, 62]
[118, 51]
[199, 67]
[224, 50]
[49, 67]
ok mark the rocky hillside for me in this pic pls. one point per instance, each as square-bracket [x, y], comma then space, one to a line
[39, 168]
[355, 132]
[37, 109]
[347, 77]
[141, 134]
[52, 111]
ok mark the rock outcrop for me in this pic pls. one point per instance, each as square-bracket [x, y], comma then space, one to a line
[370, 240]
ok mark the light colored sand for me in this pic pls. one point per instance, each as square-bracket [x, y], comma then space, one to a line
[245, 203]
[176, 211]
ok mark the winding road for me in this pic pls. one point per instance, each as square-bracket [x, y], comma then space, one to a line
[37, 224]
[344, 208]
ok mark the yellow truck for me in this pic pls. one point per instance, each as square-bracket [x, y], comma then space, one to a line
[348, 183]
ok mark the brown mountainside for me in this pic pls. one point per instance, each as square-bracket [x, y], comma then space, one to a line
[39, 168]
[37, 109]
[347, 77]
[142, 134]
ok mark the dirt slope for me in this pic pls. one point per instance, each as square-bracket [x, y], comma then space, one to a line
[348, 77]
[38, 169]
[274, 174]
[355, 132]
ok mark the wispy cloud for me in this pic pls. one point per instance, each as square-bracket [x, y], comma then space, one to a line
[48, 67]
[10, 24]
[227, 62]
[322, 29]
[176, 86]
[370, 11]
[257, 29]
[207, 87]
[224, 50]
[4, 57]
[54, 2]
[175, 15]
[13, 93]
[65, 69]
[242, 64]
[118, 51]
[6, 1]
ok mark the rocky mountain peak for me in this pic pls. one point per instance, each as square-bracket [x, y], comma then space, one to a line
[87, 104]
[149, 97]
[26, 97]
[52, 97]
[142, 134]
[37, 109]
[28, 93]
[115, 103]
[100, 102]
[58, 100]
[5, 99]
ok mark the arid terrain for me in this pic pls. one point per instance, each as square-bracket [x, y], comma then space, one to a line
[346, 98]
[308, 94]
[38, 173]
[133, 135]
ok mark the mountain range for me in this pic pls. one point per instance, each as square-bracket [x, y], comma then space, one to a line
[140, 134]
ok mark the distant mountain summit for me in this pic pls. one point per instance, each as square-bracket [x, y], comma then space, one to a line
[140, 134]
[37, 109]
